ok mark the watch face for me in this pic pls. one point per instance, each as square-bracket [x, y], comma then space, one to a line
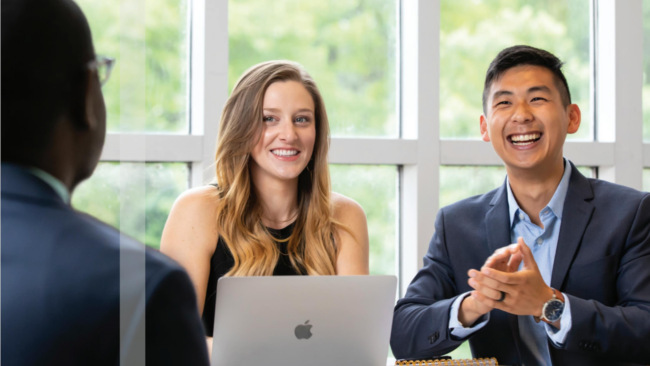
[553, 310]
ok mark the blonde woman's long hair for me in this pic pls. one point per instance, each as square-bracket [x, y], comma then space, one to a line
[312, 245]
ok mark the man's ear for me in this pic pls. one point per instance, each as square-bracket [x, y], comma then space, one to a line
[574, 118]
[89, 116]
[484, 129]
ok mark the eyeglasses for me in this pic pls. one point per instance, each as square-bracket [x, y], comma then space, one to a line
[103, 65]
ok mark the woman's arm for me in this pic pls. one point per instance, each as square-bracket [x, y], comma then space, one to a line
[190, 236]
[353, 249]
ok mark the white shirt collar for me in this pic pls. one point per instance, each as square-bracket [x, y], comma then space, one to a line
[53, 182]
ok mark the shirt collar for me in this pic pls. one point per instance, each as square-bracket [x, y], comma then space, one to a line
[56, 184]
[556, 204]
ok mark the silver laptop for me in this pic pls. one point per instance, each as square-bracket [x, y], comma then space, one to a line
[303, 320]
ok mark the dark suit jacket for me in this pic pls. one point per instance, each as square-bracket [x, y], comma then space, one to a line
[61, 288]
[602, 263]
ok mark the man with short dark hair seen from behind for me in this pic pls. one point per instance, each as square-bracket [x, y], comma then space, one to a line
[61, 269]
[574, 288]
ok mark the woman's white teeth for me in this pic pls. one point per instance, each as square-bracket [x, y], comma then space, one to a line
[523, 140]
[285, 152]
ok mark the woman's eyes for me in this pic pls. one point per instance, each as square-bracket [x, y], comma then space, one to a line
[298, 119]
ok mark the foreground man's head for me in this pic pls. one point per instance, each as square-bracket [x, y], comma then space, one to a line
[53, 114]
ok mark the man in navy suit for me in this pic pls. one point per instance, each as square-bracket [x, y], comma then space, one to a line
[74, 292]
[574, 289]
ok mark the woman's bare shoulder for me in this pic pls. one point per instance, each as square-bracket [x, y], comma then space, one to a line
[346, 207]
[196, 208]
[203, 199]
[354, 243]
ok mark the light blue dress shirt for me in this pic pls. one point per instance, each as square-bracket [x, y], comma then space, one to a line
[543, 245]
[56, 184]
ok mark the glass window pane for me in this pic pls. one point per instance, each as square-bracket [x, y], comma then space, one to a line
[646, 70]
[462, 352]
[460, 182]
[473, 32]
[117, 33]
[100, 196]
[587, 171]
[374, 187]
[646, 180]
[349, 47]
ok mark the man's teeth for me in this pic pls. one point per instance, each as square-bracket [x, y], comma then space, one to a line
[523, 143]
[523, 140]
[285, 152]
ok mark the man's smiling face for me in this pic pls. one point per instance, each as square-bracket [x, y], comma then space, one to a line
[526, 120]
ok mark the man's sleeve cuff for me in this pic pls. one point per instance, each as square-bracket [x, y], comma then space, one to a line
[558, 336]
[456, 328]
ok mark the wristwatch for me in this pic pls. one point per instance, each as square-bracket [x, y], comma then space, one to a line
[552, 310]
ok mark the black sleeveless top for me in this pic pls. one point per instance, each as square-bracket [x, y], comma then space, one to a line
[222, 261]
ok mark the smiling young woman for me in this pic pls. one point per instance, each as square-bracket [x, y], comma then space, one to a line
[271, 210]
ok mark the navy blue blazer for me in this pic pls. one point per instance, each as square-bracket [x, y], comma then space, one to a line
[602, 263]
[61, 288]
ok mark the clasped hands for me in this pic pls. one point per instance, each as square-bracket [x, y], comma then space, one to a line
[525, 289]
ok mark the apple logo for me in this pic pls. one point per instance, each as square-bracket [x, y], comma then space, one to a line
[303, 331]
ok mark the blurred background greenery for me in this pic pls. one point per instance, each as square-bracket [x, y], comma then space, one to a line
[374, 187]
[350, 48]
[117, 32]
[100, 195]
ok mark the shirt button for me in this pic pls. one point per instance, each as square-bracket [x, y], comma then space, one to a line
[540, 241]
[521, 216]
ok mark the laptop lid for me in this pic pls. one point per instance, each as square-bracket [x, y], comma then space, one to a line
[303, 320]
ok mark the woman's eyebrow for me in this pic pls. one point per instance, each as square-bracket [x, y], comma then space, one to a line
[302, 110]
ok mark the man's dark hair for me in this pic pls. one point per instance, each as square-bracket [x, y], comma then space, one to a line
[526, 55]
[46, 46]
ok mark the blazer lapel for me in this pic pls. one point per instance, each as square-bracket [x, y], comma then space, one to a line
[497, 221]
[575, 217]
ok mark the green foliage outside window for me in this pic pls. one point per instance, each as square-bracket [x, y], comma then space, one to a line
[148, 88]
[374, 187]
[101, 196]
